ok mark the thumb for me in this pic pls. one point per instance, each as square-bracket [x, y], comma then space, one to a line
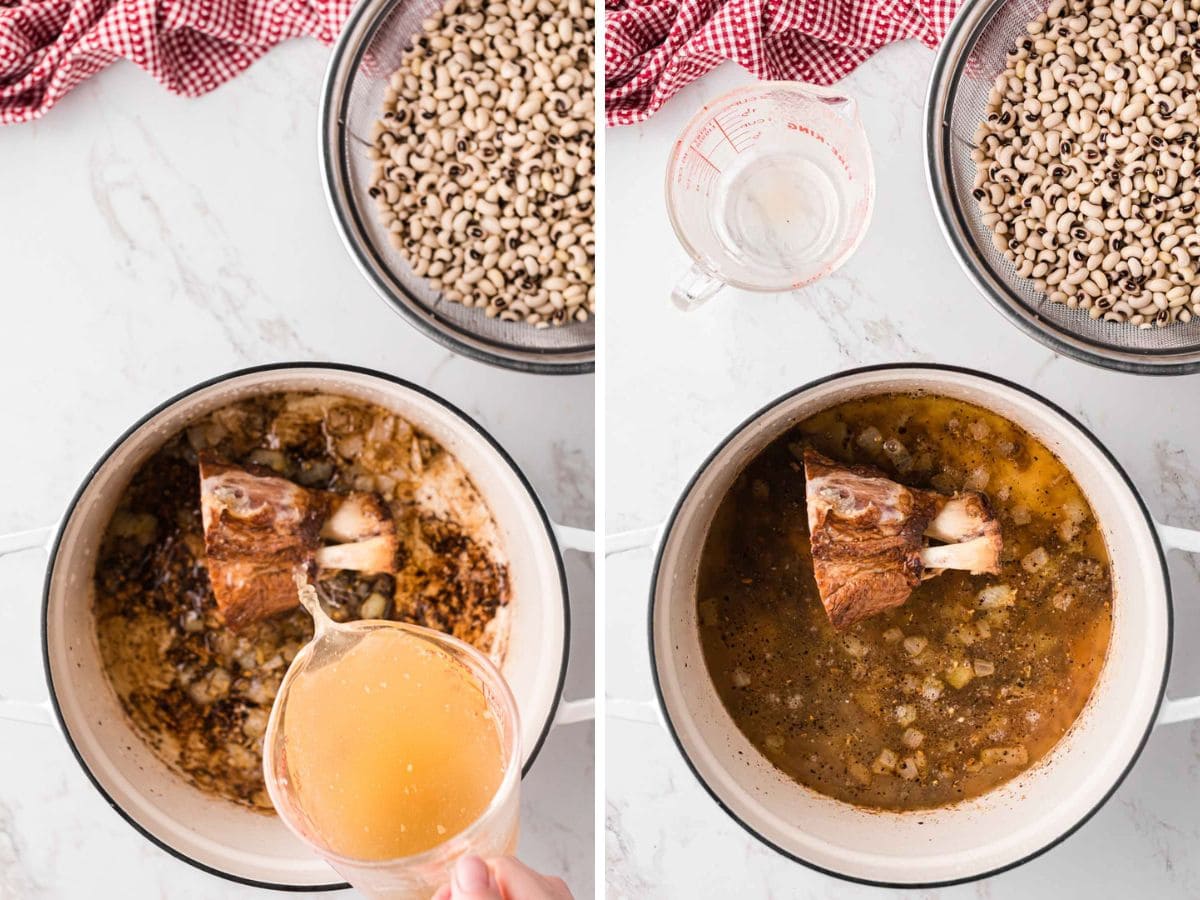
[472, 880]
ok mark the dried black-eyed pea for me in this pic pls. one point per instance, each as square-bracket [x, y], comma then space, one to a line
[1115, 142]
[485, 145]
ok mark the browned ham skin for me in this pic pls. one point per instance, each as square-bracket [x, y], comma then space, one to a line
[869, 532]
[260, 531]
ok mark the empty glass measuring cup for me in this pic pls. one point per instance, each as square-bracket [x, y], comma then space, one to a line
[769, 188]
[393, 750]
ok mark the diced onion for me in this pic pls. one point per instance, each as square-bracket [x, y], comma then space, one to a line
[261, 691]
[997, 596]
[255, 723]
[885, 762]
[959, 676]
[869, 438]
[1035, 559]
[373, 607]
[855, 647]
[198, 437]
[272, 459]
[977, 479]
[1074, 514]
[932, 689]
[915, 645]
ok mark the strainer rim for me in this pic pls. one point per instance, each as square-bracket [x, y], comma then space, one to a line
[973, 16]
[344, 59]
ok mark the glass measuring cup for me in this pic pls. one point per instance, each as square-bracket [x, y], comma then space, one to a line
[418, 876]
[769, 188]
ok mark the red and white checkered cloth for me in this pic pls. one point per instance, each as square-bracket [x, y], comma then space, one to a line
[655, 47]
[47, 47]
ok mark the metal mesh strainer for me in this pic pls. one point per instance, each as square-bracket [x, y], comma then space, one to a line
[369, 50]
[966, 66]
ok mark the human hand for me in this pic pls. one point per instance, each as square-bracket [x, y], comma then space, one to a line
[502, 878]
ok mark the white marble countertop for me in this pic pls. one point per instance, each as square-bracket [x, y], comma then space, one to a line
[677, 383]
[150, 242]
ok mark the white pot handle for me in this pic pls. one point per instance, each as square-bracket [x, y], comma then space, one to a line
[570, 538]
[584, 541]
[636, 539]
[30, 712]
[633, 710]
[622, 542]
[34, 539]
[1186, 708]
[33, 713]
[573, 711]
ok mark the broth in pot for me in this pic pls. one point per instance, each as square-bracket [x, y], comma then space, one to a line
[973, 679]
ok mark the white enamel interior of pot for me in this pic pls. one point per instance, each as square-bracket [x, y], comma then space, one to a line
[213, 832]
[998, 829]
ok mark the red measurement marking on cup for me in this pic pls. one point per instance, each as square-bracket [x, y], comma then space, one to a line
[715, 167]
[736, 148]
[817, 136]
[707, 137]
[736, 127]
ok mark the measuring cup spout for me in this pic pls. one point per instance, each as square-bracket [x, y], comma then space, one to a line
[847, 107]
[824, 93]
[694, 289]
[308, 599]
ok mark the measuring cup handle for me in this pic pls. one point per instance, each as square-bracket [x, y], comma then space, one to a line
[694, 289]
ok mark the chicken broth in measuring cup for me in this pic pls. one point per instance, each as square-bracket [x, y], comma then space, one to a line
[969, 682]
[391, 747]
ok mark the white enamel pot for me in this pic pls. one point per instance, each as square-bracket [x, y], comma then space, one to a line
[213, 834]
[969, 840]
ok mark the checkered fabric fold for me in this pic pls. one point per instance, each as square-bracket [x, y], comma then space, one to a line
[655, 47]
[47, 47]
